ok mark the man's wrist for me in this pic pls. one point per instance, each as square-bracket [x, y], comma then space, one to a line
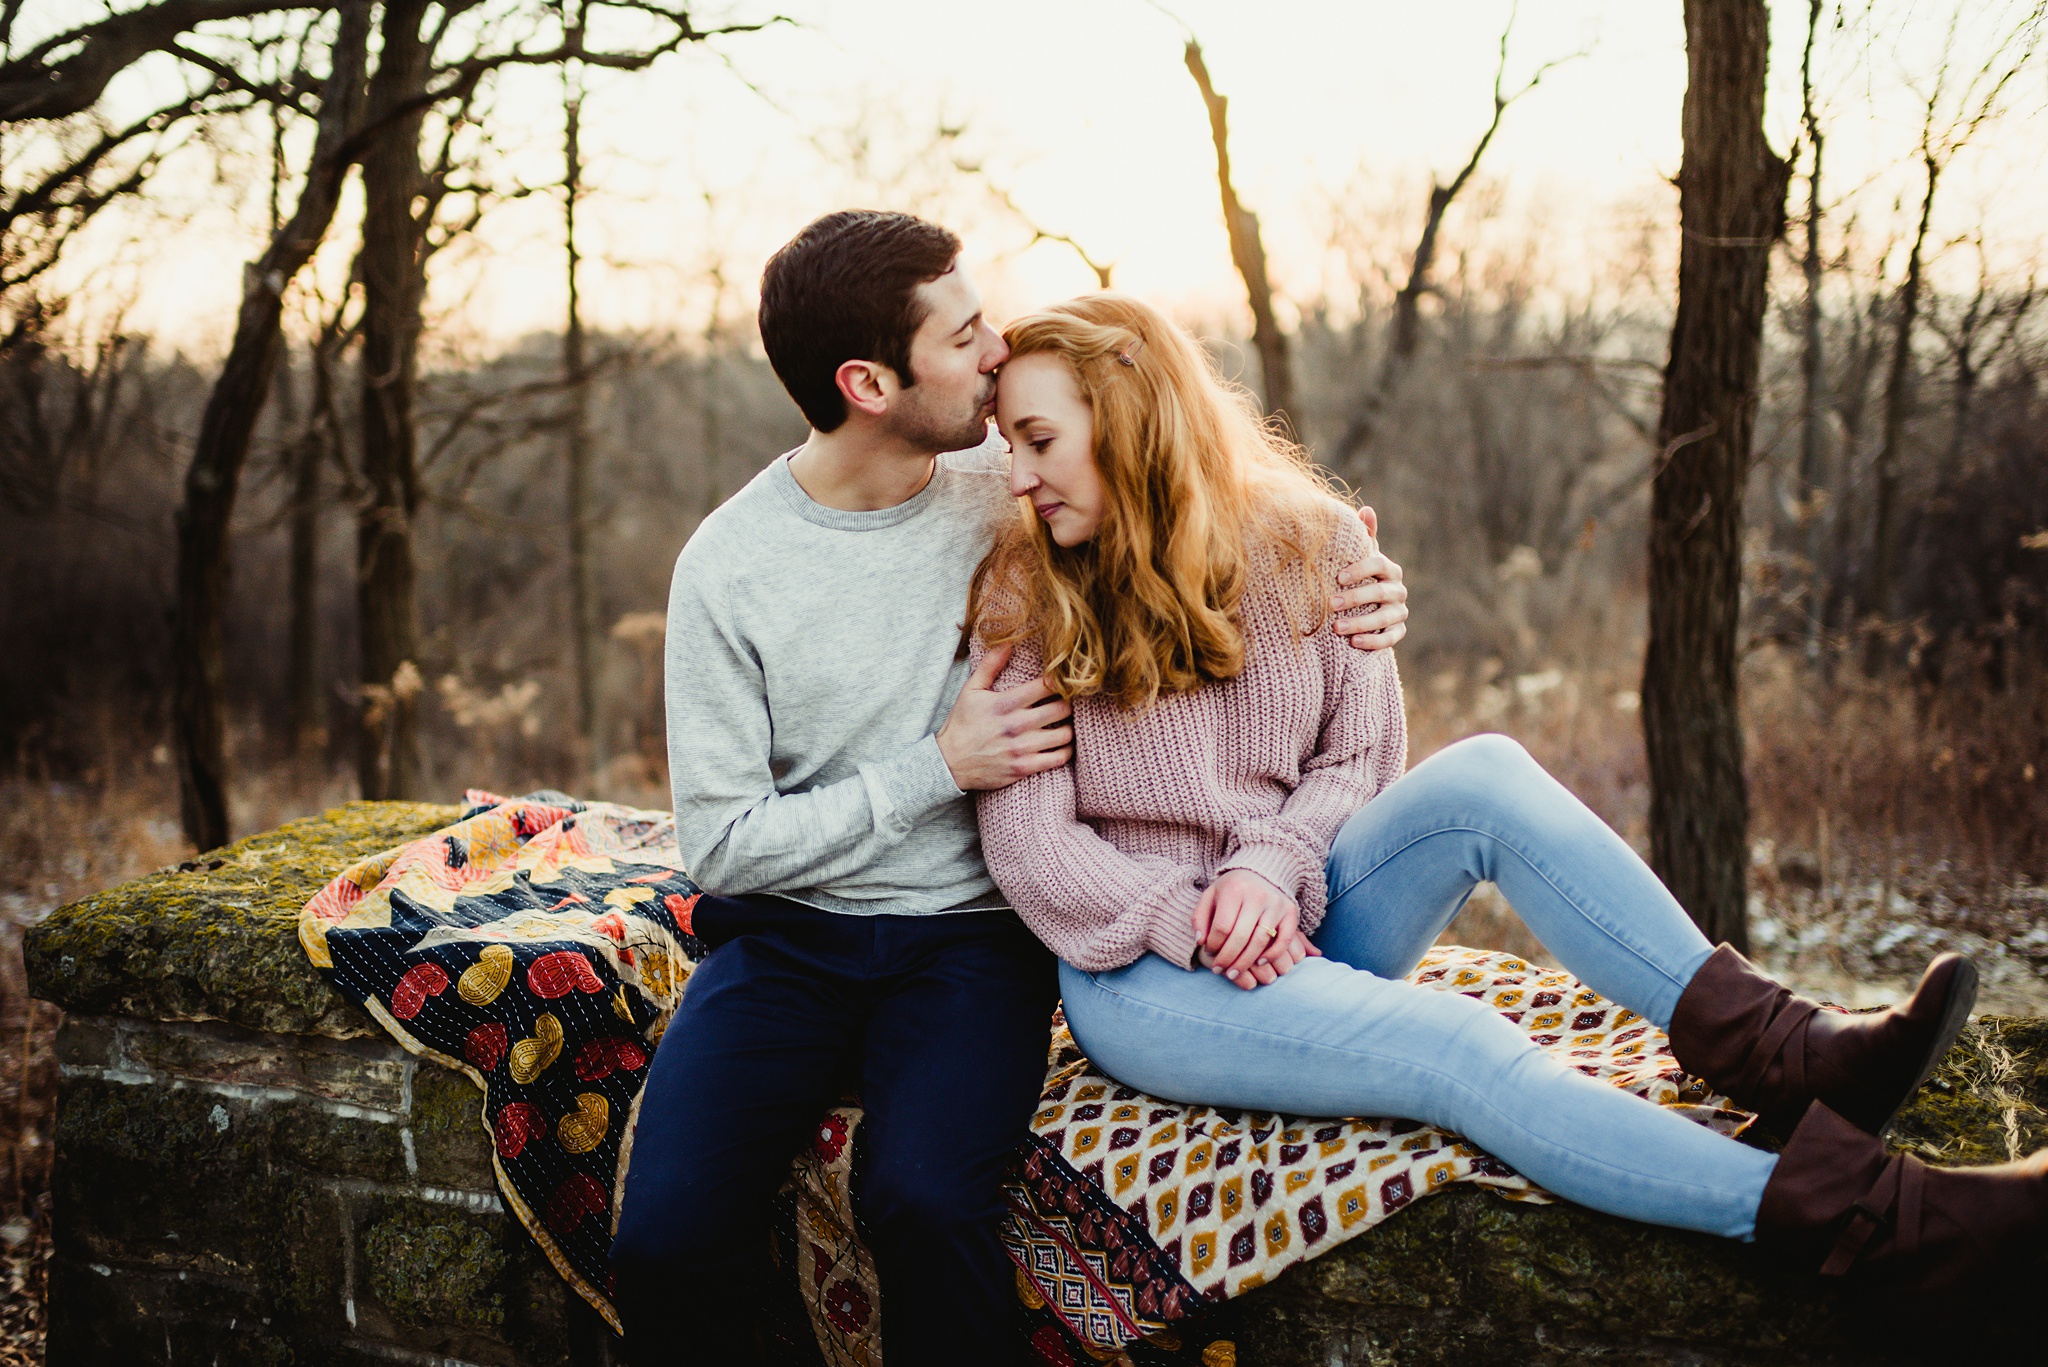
[907, 788]
[945, 784]
[952, 769]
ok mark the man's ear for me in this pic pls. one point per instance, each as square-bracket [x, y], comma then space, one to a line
[866, 386]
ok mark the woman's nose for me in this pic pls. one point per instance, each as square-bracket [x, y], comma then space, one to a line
[1022, 481]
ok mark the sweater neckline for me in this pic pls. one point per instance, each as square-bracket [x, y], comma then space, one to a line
[848, 520]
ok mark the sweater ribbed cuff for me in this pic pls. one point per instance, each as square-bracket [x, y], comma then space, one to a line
[1171, 932]
[1277, 864]
[906, 788]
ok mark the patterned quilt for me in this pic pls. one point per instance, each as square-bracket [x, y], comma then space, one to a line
[540, 946]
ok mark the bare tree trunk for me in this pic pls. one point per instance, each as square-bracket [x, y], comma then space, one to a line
[1812, 359]
[1898, 406]
[2007, 314]
[1860, 351]
[393, 269]
[308, 460]
[205, 518]
[1404, 336]
[1247, 251]
[1731, 209]
[583, 604]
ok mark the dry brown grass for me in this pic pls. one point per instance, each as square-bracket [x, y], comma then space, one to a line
[1889, 821]
[58, 842]
[1895, 820]
[1896, 775]
[1581, 725]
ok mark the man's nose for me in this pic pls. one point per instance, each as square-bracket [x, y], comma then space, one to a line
[999, 354]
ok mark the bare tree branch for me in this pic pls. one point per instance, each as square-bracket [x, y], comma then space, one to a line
[1406, 333]
[1038, 234]
[1943, 135]
[226, 77]
[37, 220]
[30, 88]
[459, 80]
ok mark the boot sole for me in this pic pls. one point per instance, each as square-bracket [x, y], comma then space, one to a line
[1962, 999]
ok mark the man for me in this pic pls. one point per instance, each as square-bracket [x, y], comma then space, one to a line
[822, 743]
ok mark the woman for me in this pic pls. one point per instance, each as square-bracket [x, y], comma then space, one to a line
[1236, 804]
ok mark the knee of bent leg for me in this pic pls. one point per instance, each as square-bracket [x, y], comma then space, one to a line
[1489, 752]
[1484, 768]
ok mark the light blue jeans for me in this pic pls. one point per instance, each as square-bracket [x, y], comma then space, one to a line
[1346, 1035]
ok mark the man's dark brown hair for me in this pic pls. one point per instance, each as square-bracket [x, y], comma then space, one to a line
[845, 289]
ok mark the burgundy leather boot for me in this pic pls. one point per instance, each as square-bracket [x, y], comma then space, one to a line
[1838, 1199]
[1774, 1052]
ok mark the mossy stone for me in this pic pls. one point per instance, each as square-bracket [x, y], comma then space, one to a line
[449, 1138]
[437, 1269]
[1465, 1279]
[157, 1317]
[192, 1179]
[217, 938]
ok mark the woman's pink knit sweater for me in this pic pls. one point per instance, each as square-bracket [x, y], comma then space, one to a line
[1106, 858]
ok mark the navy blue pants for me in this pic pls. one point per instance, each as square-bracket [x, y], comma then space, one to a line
[940, 1022]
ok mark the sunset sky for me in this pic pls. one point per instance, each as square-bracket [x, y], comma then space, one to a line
[1082, 112]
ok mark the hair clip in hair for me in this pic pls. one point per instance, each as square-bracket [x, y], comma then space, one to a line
[1128, 356]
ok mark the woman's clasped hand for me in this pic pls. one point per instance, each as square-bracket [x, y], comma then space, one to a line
[1249, 930]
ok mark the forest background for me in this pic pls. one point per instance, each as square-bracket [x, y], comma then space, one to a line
[1447, 248]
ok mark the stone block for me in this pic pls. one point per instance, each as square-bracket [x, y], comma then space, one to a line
[217, 938]
[449, 1141]
[249, 1169]
[436, 1278]
[173, 1177]
[137, 1316]
[85, 1042]
[362, 1073]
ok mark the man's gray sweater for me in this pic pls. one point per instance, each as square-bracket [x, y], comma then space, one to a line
[810, 663]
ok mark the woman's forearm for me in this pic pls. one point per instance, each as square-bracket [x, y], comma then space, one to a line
[1094, 905]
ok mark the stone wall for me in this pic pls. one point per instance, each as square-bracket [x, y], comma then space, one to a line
[249, 1171]
[227, 1195]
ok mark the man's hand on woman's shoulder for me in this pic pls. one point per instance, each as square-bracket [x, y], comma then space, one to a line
[993, 737]
[1371, 603]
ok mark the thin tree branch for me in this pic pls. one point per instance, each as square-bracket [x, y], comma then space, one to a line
[1038, 234]
[286, 95]
[32, 89]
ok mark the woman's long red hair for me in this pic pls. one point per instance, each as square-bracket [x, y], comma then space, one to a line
[1194, 483]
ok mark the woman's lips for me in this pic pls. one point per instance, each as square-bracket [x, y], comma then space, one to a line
[1046, 510]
